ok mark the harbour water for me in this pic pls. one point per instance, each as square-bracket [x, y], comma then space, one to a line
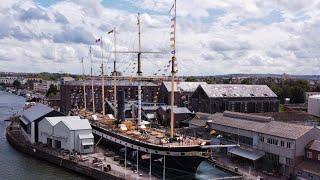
[15, 165]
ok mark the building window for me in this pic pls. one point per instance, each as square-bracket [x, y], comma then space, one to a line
[269, 141]
[57, 144]
[275, 142]
[319, 157]
[309, 155]
[86, 146]
[289, 161]
[289, 145]
[282, 143]
[49, 142]
[262, 139]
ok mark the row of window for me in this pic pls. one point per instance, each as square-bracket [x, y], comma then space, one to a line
[310, 155]
[276, 142]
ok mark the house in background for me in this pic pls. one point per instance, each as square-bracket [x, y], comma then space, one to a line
[30, 118]
[67, 132]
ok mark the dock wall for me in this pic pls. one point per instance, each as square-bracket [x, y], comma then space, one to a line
[65, 163]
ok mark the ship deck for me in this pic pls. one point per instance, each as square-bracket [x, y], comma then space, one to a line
[147, 135]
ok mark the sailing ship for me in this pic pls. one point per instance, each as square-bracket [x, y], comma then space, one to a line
[163, 150]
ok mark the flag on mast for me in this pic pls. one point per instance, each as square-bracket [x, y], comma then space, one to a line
[109, 32]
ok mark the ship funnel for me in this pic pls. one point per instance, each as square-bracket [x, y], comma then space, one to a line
[121, 106]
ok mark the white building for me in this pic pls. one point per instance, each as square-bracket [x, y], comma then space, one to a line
[7, 80]
[314, 105]
[30, 117]
[67, 132]
[43, 86]
[65, 79]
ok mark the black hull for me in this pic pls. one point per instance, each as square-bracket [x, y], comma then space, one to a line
[177, 167]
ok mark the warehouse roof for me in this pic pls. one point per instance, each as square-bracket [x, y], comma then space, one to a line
[314, 145]
[237, 90]
[77, 123]
[270, 127]
[55, 120]
[72, 122]
[35, 112]
[176, 110]
[183, 86]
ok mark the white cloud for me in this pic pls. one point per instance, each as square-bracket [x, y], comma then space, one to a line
[213, 37]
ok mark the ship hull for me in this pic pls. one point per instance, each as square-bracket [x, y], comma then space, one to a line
[180, 166]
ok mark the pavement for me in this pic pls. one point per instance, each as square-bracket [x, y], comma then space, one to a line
[116, 168]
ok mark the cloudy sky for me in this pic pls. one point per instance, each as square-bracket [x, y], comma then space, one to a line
[213, 36]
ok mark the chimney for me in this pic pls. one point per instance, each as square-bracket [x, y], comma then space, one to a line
[121, 106]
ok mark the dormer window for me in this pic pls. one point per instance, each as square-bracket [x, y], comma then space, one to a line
[252, 95]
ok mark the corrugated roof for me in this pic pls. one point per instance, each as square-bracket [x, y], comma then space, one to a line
[72, 122]
[183, 86]
[53, 120]
[149, 108]
[275, 128]
[252, 155]
[35, 112]
[86, 136]
[77, 124]
[314, 145]
[177, 110]
[237, 90]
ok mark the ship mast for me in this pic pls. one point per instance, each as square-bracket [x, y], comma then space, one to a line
[84, 86]
[173, 70]
[115, 73]
[102, 79]
[92, 88]
[139, 73]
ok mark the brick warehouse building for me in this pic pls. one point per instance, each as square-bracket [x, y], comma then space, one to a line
[212, 98]
[72, 93]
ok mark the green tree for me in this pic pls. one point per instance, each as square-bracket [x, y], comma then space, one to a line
[16, 84]
[52, 90]
[191, 79]
[246, 81]
[297, 94]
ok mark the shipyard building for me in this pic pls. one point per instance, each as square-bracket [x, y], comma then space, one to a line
[30, 118]
[212, 98]
[314, 105]
[67, 132]
[72, 95]
[264, 143]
